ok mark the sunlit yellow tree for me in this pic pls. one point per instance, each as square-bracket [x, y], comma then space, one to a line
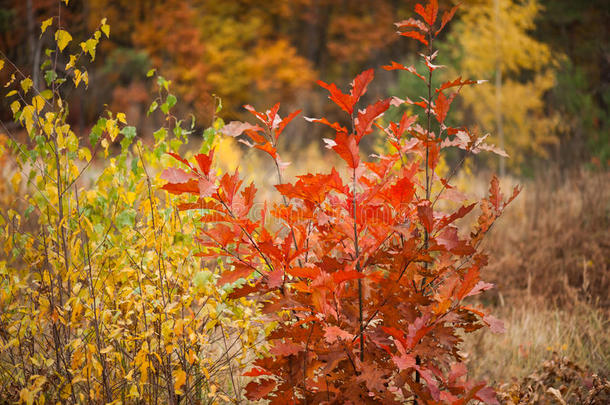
[497, 34]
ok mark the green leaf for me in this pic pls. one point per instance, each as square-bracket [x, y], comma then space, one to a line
[160, 135]
[175, 144]
[126, 218]
[203, 278]
[47, 94]
[163, 83]
[135, 168]
[219, 103]
[50, 76]
[72, 142]
[165, 108]
[171, 100]
[129, 134]
[63, 38]
[152, 107]
[96, 131]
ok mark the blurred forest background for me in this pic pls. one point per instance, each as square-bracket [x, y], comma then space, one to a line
[551, 59]
[547, 63]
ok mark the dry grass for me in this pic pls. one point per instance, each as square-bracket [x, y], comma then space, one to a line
[554, 243]
[549, 257]
[533, 333]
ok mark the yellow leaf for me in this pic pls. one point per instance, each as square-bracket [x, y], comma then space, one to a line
[15, 106]
[106, 349]
[112, 129]
[179, 379]
[26, 396]
[61, 140]
[12, 79]
[105, 145]
[48, 127]
[45, 25]
[133, 391]
[1, 64]
[16, 181]
[26, 84]
[89, 47]
[27, 115]
[74, 171]
[72, 62]
[38, 103]
[91, 196]
[77, 77]
[105, 28]
[130, 197]
[63, 38]
[121, 117]
[84, 154]
[178, 327]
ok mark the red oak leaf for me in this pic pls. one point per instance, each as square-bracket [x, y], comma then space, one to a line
[334, 333]
[259, 390]
[429, 13]
[174, 175]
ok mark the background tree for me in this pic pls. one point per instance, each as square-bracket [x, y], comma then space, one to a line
[497, 35]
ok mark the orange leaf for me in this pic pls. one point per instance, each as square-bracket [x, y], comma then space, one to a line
[360, 84]
[364, 121]
[285, 122]
[424, 212]
[230, 276]
[342, 276]
[259, 390]
[398, 66]
[415, 35]
[429, 13]
[267, 147]
[447, 16]
[255, 372]
[205, 161]
[441, 107]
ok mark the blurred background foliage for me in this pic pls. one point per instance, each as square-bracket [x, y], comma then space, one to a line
[553, 58]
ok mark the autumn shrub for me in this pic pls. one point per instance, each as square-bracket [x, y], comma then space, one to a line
[363, 276]
[102, 297]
